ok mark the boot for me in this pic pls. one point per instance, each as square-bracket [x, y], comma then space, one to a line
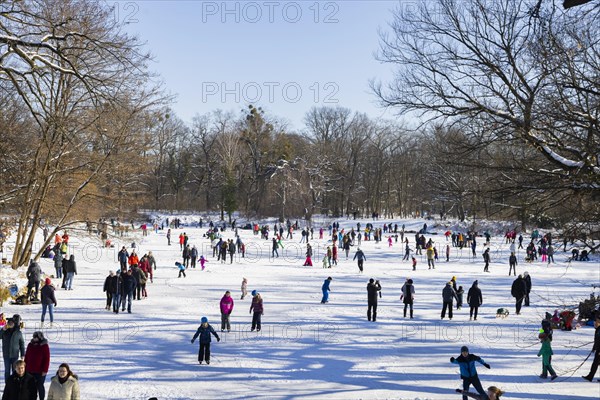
[543, 376]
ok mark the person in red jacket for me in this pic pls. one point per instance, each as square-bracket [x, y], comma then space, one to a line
[146, 267]
[37, 361]
[133, 259]
[181, 240]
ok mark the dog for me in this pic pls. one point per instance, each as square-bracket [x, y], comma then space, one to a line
[502, 313]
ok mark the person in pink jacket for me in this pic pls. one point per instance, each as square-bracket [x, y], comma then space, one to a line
[226, 309]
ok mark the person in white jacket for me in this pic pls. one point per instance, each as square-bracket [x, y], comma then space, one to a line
[64, 385]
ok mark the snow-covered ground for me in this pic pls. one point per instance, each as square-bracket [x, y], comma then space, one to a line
[308, 349]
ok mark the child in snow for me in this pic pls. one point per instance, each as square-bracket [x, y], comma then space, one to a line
[181, 269]
[389, 241]
[546, 353]
[204, 331]
[257, 307]
[468, 373]
[459, 295]
[325, 289]
[202, 262]
[493, 393]
[244, 288]
[414, 262]
[326, 262]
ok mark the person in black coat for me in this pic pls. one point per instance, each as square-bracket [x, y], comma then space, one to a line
[21, 385]
[128, 288]
[475, 299]
[373, 290]
[519, 291]
[595, 350]
[109, 283]
[527, 279]
[408, 296]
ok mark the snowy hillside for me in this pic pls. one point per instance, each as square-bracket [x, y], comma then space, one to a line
[308, 349]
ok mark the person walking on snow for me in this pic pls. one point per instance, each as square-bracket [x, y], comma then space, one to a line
[512, 264]
[486, 259]
[48, 300]
[468, 373]
[361, 259]
[202, 262]
[244, 288]
[373, 292]
[595, 350]
[408, 296]
[325, 289]
[226, 309]
[204, 331]
[546, 353]
[257, 307]
[475, 299]
[519, 291]
[37, 361]
[448, 294]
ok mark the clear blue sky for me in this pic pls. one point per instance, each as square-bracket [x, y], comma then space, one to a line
[285, 56]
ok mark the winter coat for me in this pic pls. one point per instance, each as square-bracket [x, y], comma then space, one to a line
[408, 293]
[360, 255]
[325, 287]
[448, 294]
[69, 265]
[48, 296]
[204, 332]
[34, 272]
[467, 365]
[20, 388]
[257, 304]
[519, 288]
[151, 261]
[13, 344]
[596, 346]
[137, 273]
[110, 284]
[226, 305]
[186, 253]
[123, 256]
[512, 260]
[194, 253]
[486, 256]
[430, 253]
[58, 257]
[527, 280]
[474, 297]
[133, 259]
[37, 357]
[64, 391]
[372, 292]
[128, 283]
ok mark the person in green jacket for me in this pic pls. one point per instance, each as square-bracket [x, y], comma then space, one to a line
[546, 353]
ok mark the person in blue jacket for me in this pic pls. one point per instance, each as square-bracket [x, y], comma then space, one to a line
[468, 373]
[204, 331]
[326, 290]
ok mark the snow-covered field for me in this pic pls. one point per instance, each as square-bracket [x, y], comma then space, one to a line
[307, 349]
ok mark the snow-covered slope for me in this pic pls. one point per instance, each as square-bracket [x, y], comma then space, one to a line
[308, 349]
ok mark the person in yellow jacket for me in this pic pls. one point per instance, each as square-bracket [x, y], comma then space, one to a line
[430, 257]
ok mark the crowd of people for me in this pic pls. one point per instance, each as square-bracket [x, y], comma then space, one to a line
[26, 370]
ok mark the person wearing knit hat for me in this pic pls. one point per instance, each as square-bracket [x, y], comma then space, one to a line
[204, 331]
[468, 373]
[48, 300]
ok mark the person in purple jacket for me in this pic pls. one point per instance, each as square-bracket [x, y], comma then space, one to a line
[226, 309]
[257, 307]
